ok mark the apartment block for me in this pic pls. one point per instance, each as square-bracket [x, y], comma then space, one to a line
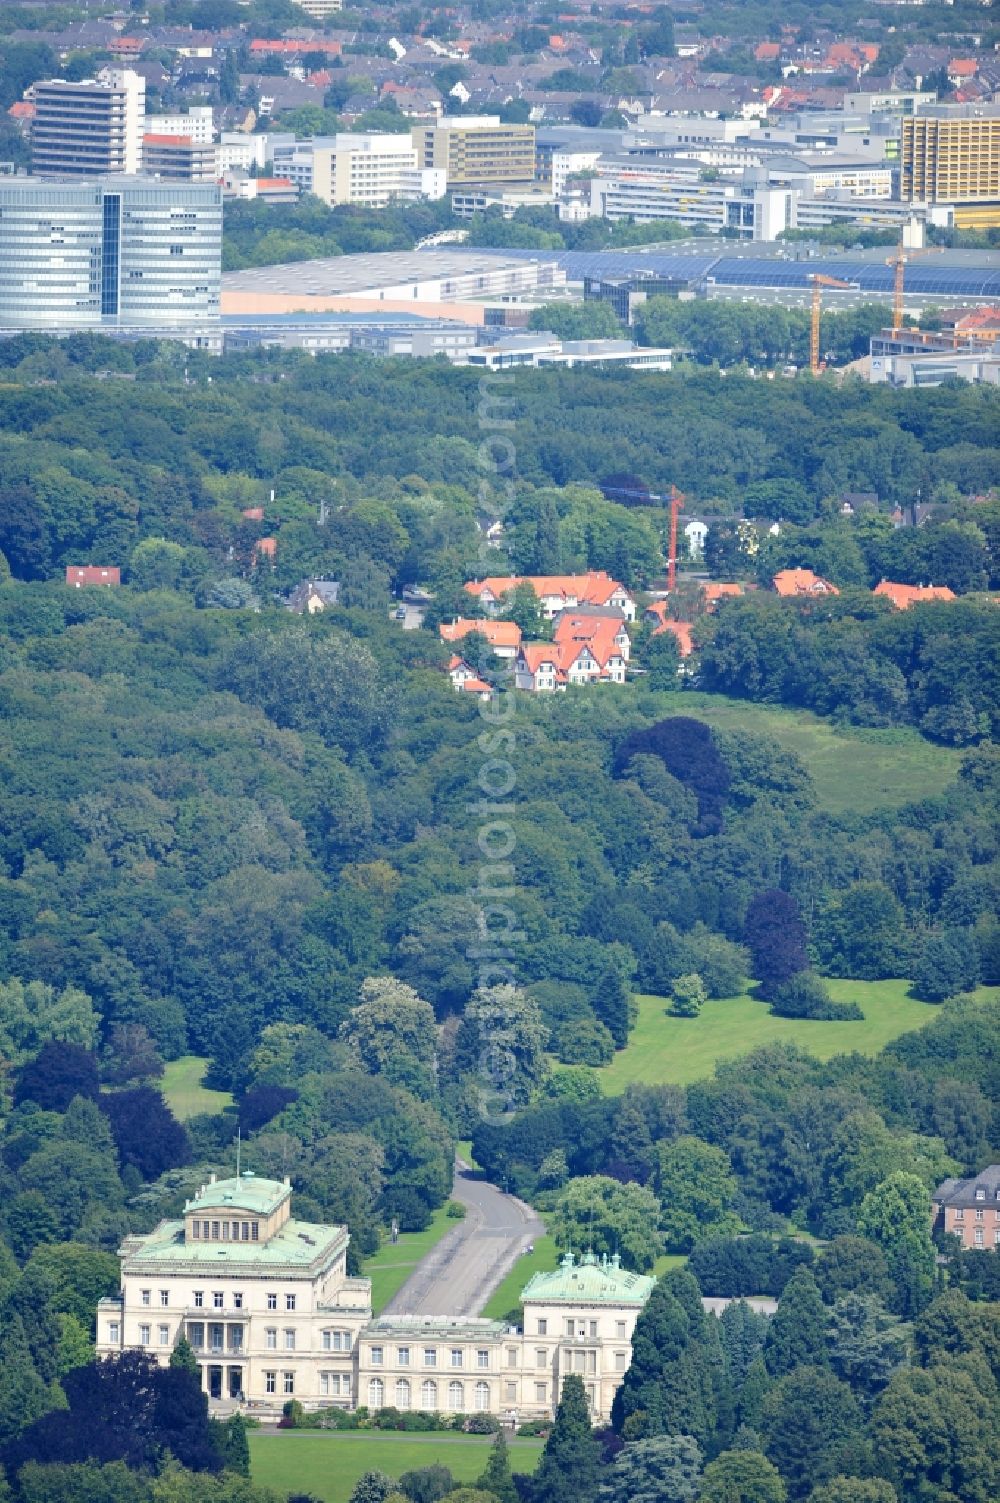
[198, 123]
[179, 159]
[477, 149]
[89, 129]
[951, 154]
[370, 170]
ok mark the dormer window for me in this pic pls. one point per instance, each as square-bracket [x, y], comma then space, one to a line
[980, 1192]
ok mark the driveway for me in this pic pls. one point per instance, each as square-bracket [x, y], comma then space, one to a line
[458, 1276]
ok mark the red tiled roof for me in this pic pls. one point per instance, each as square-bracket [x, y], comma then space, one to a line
[595, 588]
[92, 574]
[802, 582]
[22, 109]
[153, 140]
[905, 595]
[767, 52]
[963, 67]
[497, 633]
[714, 590]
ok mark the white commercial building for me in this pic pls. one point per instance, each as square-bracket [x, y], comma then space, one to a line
[267, 1305]
[370, 169]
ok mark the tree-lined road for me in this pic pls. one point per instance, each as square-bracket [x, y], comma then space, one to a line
[458, 1276]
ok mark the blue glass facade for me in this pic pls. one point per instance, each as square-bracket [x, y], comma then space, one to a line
[111, 254]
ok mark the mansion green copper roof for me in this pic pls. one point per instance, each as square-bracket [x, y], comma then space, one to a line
[296, 1247]
[259, 1197]
[589, 1281]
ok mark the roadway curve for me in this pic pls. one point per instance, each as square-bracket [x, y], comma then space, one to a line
[458, 1276]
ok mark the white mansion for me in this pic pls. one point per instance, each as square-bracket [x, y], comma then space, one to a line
[267, 1305]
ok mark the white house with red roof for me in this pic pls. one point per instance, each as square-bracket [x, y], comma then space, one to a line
[466, 680]
[556, 592]
[585, 650]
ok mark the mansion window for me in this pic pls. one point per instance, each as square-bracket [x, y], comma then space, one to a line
[225, 1231]
[377, 1356]
[979, 1236]
[403, 1356]
[270, 1382]
[428, 1394]
[959, 1214]
[289, 1340]
[620, 1330]
[483, 1357]
[143, 1335]
[430, 1356]
[402, 1393]
[199, 1299]
[482, 1397]
[272, 1302]
[336, 1341]
[376, 1393]
[289, 1301]
[510, 1390]
[164, 1335]
[457, 1357]
[980, 1193]
[456, 1397]
[288, 1382]
[329, 1385]
[512, 1356]
[980, 1215]
[114, 1331]
[543, 1328]
[147, 1296]
[541, 1389]
[620, 1362]
[218, 1299]
[164, 1297]
[541, 1357]
[271, 1338]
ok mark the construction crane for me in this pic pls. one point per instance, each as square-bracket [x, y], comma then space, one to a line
[676, 506]
[898, 261]
[819, 281]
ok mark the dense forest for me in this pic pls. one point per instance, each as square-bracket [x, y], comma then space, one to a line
[230, 831]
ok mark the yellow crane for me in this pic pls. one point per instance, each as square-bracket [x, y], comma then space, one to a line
[819, 281]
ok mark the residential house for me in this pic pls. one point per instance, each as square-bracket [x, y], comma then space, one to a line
[714, 590]
[658, 612]
[970, 1208]
[313, 596]
[797, 582]
[83, 576]
[466, 680]
[904, 595]
[585, 650]
[556, 592]
[503, 636]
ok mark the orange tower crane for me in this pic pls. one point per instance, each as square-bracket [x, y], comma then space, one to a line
[676, 505]
[819, 281]
[898, 261]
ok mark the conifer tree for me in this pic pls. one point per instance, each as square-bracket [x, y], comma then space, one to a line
[23, 1395]
[796, 1336]
[497, 1478]
[567, 1471]
[755, 1390]
[183, 1356]
[609, 999]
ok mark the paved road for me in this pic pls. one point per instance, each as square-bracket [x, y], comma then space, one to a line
[458, 1276]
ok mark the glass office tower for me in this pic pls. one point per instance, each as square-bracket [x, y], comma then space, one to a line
[122, 252]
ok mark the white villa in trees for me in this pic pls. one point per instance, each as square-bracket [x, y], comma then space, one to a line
[271, 1313]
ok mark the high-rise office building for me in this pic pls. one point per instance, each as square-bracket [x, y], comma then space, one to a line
[118, 252]
[477, 149]
[89, 129]
[951, 154]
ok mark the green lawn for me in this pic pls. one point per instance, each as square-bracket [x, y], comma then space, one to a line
[856, 770]
[329, 1464]
[680, 1050]
[185, 1095]
[507, 1295]
[392, 1265]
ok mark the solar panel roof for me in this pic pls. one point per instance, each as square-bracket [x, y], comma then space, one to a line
[930, 276]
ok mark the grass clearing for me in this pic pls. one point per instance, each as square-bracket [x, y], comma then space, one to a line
[328, 1464]
[392, 1265]
[855, 771]
[680, 1050]
[507, 1295]
[184, 1092]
